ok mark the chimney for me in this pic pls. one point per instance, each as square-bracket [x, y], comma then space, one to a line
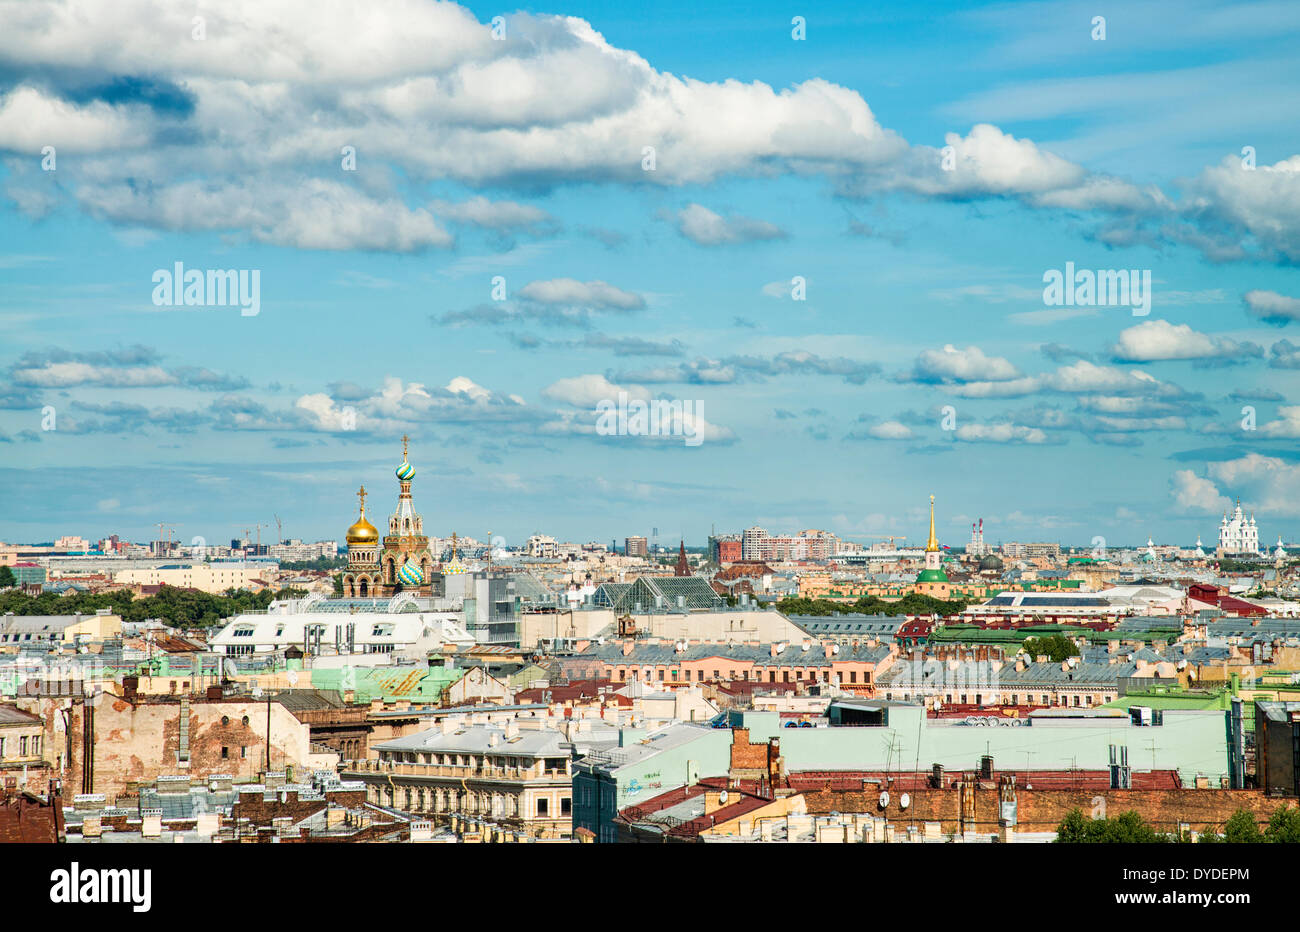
[627, 648]
[772, 649]
[827, 648]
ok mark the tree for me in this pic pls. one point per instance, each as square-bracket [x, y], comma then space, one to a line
[7, 578]
[1057, 647]
[1073, 828]
[1242, 829]
[1284, 826]
[1126, 829]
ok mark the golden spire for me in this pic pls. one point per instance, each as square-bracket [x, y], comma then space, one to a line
[932, 545]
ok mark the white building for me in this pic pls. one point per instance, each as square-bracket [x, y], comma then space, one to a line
[400, 625]
[1238, 534]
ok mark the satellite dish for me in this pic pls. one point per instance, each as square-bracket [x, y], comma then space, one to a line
[904, 801]
[257, 692]
[292, 677]
[884, 798]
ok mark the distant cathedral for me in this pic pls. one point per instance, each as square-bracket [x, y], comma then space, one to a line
[1238, 534]
[402, 561]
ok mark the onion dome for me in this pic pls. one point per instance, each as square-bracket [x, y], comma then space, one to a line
[410, 574]
[405, 472]
[363, 532]
[990, 562]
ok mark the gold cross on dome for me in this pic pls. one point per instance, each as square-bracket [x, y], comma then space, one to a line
[404, 441]
[361, 494]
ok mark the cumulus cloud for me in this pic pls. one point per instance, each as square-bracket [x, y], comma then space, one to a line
[585, 391]
[1000, 433]
[890, 430]
[593, 294]
[1271, 307]
[706, 228]
[1156, 340]
[1197, 495]
[960, 365]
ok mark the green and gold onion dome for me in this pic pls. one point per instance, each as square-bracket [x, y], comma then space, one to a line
[410, 574]
[405, 472]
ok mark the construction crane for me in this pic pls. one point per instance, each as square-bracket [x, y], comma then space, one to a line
[279, 529]
[168, 528]
[889, 537]
[259, 527]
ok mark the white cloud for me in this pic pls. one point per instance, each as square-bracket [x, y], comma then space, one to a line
[1197, 495]
[585, 391]
[1271, 307]
[890, 430]
[31, 119]
[1155, 340]
[500, 216]
[1000, 433]
[1286, 425]
[703, 226]
[968, 365]
[595, 294]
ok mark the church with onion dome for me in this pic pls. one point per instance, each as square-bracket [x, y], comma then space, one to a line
[401, 560]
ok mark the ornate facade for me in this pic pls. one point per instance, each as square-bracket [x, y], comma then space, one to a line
[1238, 534]
[402, 561]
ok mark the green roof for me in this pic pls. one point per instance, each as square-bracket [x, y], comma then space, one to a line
[931, 576]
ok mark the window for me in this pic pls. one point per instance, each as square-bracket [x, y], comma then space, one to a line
[853, 676]
[542, 806]
[716, 676]
[661, 674]
[674, 676]
[22, 746]
[225, 752]
[225, 719]
[243, 751]
[245, 719]
[566, 806]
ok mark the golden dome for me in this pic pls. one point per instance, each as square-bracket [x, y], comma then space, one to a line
[363, 532]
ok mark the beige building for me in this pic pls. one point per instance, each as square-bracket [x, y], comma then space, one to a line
[19, 632]
[206, 577]
[586, 624]
[516, 776]
[22, 748]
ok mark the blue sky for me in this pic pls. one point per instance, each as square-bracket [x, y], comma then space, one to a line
[775, 158]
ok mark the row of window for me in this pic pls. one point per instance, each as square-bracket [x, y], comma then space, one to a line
[750, 675]
[15, 638]
[495, 804]
[471, 760]
[27, 745]
[1013, 699]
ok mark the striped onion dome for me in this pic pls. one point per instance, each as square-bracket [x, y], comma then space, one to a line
[405, 471]
[410, 574]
